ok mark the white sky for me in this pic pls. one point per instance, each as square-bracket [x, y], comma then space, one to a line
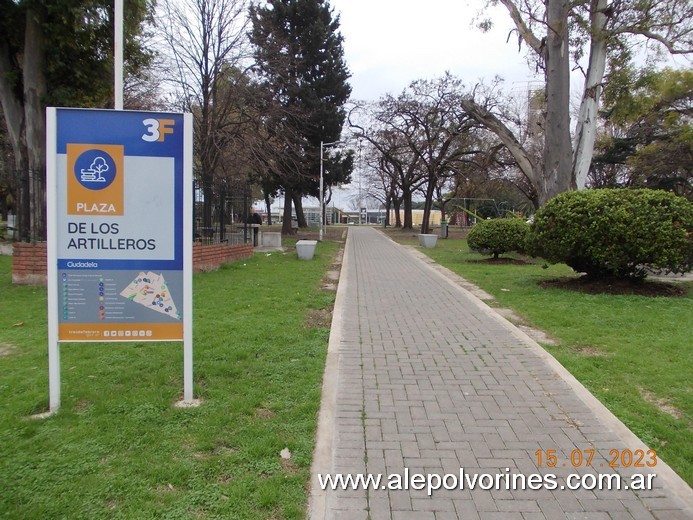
[390, 43]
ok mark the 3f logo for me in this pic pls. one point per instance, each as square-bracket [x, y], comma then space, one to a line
[157, 129]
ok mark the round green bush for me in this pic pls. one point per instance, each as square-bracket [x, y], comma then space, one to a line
[498, 236]
[616, 233]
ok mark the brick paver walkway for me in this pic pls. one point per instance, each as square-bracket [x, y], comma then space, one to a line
[421, 375]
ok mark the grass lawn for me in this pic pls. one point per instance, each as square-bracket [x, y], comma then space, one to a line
[119, 449]
[634, 353]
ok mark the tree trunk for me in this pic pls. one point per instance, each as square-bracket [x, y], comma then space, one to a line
[34, 92]
[442, 204]
[397, 206]
[557, 147]
[428, 202]
[406, 201]
[208, 195]
[268, 205]
[425, 220]
[286, 224]
[298, 206]
[586, 130]
[11, 99]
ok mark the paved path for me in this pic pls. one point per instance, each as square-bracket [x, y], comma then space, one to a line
[422, 375]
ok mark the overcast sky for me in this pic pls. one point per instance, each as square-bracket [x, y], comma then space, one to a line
[389, 43]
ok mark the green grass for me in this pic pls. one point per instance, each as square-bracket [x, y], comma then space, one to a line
[119, 449]
[634, 353]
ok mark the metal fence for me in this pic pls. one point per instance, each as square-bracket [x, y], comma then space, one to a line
[227, 204]
[27, 217]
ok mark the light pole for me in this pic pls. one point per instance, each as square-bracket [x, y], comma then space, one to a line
[322, 146]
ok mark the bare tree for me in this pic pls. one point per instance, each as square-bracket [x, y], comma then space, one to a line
[423, 133]
[398, 161]
[382, 183]
[208, 47]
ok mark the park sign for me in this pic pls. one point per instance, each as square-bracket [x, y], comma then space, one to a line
[119, 226]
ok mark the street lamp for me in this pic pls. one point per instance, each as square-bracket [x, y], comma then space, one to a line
[322, 146]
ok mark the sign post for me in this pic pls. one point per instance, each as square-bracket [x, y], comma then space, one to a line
[119, 196]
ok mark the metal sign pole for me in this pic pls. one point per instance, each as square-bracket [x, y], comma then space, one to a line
[118, 54]
[52, 257]
[187, 265]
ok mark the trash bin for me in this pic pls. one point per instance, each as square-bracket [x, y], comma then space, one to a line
[443, 229]
[306, 249]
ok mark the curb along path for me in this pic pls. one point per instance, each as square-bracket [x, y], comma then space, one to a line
[424, 378]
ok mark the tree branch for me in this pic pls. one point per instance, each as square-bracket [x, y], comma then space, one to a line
[522, 28]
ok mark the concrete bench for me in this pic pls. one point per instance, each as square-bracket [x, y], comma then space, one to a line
[271, 239]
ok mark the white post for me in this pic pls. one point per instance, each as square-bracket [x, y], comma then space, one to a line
[52, 262]
[118, 54]
[187, 262]
[321, 194]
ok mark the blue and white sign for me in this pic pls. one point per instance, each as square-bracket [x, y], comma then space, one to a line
[120, 225]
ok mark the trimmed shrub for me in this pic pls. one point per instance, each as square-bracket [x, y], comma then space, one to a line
[498, 236]
[617, 233]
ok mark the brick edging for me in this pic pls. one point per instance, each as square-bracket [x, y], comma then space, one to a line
[209, 257]
[29, 263]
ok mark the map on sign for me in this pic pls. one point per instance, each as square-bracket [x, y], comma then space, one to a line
[151, 291]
